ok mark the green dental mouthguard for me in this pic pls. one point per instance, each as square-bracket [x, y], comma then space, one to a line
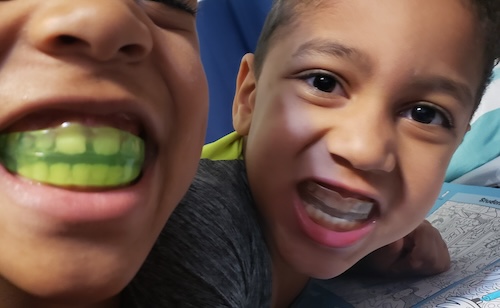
[74, 155]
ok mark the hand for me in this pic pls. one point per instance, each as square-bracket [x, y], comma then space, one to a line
[423, 252]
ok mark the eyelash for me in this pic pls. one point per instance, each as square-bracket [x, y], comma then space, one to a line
[178, 4]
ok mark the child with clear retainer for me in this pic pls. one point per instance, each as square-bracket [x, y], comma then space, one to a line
[345, 118]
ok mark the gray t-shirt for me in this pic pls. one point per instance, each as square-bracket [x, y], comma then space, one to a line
[212, 252]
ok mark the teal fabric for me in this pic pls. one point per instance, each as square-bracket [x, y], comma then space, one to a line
[482, 143]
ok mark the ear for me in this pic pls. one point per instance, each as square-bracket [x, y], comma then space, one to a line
[244, 97]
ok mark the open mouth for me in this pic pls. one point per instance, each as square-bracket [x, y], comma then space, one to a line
[75, 151]
[336, 209]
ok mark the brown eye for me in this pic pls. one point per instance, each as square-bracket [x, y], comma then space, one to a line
[423, 114]
[322, 82]
[427, 115]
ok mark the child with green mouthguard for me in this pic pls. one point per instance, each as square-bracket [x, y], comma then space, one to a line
[102, 120]
[346, 118]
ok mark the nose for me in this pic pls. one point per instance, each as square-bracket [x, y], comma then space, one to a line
[102, 30]
[363, 141]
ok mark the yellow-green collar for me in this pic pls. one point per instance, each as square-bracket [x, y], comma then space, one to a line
[229, 147]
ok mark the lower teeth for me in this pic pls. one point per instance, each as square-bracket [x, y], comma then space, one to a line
[74, 155]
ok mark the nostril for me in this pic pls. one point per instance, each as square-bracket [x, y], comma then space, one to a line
[101, 51]
[58, 44]
[133, 50]
[67, 40]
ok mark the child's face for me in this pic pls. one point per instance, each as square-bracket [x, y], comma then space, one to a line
[352, 123]
[133, 65]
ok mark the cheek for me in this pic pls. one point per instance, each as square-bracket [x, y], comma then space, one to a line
[426, 164]
[281, 119]
[187, 129]
[188, 86]
[421, 175]
[423, 169]
[186, 108]
[179, 63]
[273, 144]
[188, 90]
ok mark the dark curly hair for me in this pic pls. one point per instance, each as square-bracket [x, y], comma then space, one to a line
[283, 13]
[488, 12]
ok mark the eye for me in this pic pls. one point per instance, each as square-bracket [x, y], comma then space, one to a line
[171, 15]
[426, 114]
[183, 5]
[322, 82]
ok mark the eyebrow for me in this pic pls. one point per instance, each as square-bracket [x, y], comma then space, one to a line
[459, 90]
[336, 49]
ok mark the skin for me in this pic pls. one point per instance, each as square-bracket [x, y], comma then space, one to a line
[358, 135]
[90, 60]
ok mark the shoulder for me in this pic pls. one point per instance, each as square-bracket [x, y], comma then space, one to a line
[220, 183]
[221, 173]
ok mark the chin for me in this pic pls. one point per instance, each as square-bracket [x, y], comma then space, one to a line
[71, 290]
[81, 292]
[328, 271]
[65, 278]
[324, 267]
[322, 262]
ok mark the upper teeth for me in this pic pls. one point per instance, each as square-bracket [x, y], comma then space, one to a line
[332, 203]
[74, 155]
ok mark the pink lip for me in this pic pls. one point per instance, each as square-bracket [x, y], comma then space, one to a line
[75, 207]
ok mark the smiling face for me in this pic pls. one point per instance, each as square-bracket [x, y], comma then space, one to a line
[350, 125]
[131, 66]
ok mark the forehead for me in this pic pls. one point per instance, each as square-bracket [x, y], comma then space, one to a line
[392, 36]
[414, 12]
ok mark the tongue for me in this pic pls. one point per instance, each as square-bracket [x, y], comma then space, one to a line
[53, 118]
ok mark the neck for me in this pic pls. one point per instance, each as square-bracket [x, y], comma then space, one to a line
[14, 297]
[287, 283]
